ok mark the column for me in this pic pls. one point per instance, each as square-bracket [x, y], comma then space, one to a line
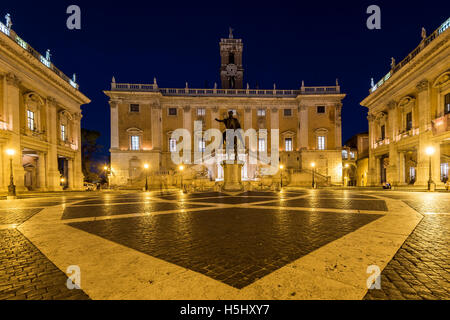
[423, 105]
[338, 127]
[372, 178]
[77, 166]
[114, 107]
[70, 174]
[13, 116]
[214, 115]
[424, 122]
[303, 136]
[436, 164]
[41, 172]
[53, 180]
[156, 128]
[248, 118]
[274, 124]
[401, 168]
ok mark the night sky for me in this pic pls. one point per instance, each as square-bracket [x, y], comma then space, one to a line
[284, 42]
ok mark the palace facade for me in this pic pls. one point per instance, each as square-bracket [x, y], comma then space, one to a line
[409, 116]
[39, 119]
[144, 117]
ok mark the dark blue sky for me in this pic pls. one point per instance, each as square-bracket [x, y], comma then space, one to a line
[284, 42]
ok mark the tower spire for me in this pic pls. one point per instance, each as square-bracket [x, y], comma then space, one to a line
[231, 33]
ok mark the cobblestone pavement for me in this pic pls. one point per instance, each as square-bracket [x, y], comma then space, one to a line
[235, 246]
[235, 239]
[421, 268]
[25, 273]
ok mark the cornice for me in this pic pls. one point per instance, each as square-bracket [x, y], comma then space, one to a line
[17, 53]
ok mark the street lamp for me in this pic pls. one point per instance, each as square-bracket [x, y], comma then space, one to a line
[281, 174]
[62, 180]
[11, 187]
[181, 168]
[429, 151]
[107, 171]
[313, 165]
[146, 176]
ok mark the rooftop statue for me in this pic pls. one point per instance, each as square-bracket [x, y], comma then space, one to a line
[8, 21]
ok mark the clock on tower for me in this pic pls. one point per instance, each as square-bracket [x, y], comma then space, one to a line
[231, 70]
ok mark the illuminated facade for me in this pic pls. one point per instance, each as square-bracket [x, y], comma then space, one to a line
[409, 113]
[39, 119]
[143, 118]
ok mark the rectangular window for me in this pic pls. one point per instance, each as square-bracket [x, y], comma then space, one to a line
[261, 112]
[134, 108]
[320, 109]
[287, 112]
[172, 111]
[447, 104]
[321, 143]
[288, 144]
[201, 112]
[352, 155]
[135, 143]
[383, 132]
[408, 121]
[262, 144]
[344, 154]
[63, 132]
[172, 145]
[30, 120]
[201, 145]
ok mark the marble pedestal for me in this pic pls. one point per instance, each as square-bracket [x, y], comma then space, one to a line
[232, 177]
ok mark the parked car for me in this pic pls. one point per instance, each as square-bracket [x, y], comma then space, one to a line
[89, 186]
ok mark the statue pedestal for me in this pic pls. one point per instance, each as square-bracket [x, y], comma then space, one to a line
[232, 177]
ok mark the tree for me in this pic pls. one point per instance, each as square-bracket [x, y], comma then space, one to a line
[89, 147]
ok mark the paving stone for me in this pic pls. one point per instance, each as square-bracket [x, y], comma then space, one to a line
[245, 238]
[20, 281]
[427, 272]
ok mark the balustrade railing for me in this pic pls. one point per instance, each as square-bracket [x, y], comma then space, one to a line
[11, 34]
[223, 92]
[414, 53]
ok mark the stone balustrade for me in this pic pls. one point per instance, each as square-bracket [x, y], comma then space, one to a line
[224, 92]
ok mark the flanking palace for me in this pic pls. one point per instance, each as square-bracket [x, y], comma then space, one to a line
[144, 117]
[40, 115]
[409, 117]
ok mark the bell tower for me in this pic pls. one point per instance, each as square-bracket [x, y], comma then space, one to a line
[231, 70]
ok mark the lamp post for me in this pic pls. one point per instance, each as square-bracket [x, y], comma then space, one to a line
[146, 176]
[181, 168]
[11, 187]
[281, 175]
[106, 168]
[429, 151]
[313, 165]
[62, 180]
